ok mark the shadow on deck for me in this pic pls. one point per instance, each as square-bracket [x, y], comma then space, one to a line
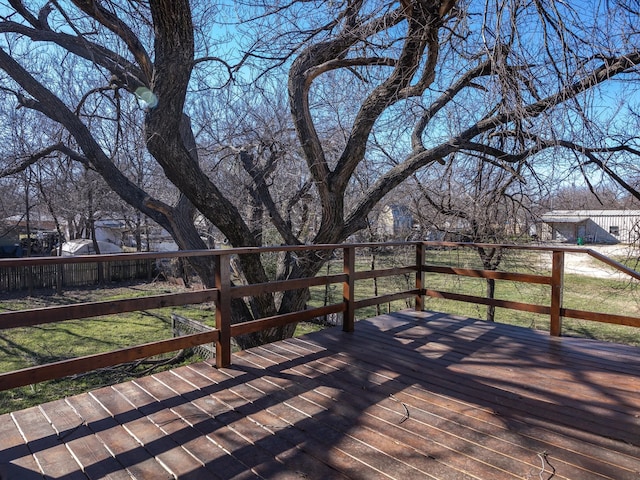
[408, 395]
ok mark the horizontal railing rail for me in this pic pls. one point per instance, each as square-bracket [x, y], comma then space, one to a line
[225, 291]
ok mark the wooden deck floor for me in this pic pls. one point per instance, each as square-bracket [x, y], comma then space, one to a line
[407, 396]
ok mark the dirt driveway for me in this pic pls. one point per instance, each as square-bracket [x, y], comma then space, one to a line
[584, 264]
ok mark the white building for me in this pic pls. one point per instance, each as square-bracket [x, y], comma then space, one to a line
[110, 231]
[394, 222]
[591, 226]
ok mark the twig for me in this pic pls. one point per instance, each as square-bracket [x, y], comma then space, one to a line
[406, 409]
[130, 367]
[544, 461]
[71, 430]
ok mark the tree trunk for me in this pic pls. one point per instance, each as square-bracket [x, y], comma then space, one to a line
[490, 261]
[491, 292]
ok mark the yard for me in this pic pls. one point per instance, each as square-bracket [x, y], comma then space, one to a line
[23, 347]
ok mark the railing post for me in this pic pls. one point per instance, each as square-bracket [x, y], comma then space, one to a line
[59, 269]
[223, 310]
[348, 287]
[420, 256]
[557, 280]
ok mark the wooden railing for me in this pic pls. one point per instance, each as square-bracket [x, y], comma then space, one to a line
[555, 280]
[225, 291]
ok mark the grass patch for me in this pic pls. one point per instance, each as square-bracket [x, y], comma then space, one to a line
[307, 327]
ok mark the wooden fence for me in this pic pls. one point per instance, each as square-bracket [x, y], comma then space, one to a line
[60, 276]
[225, 292]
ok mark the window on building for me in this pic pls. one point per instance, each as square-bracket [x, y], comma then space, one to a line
[614, 230]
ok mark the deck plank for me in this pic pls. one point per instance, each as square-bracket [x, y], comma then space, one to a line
[457, 422]
[133, 438]
[203, 418]
[156, 429]
[406, 396]
[91, 454]
[473, 443]
[130, 454]
[48, 449]
[265, 407]
[16, 460]
[283, 449]
[447, 369]
[345, 419]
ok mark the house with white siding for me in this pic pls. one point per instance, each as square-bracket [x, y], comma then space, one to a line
[591, 226]
[394, 222]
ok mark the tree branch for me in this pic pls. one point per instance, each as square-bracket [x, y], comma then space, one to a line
[127, 74]
[264, 196]
[55, 109]
[30, 160]
[122, 30]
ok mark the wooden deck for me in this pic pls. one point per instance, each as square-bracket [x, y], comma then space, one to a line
[406, 396]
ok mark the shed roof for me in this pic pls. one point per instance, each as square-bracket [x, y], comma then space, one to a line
[567, 219]
[585, 214]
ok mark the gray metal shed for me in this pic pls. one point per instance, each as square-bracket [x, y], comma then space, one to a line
[592, 226]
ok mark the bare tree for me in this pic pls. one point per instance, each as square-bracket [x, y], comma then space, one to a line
[478, 202]
[506, 81]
